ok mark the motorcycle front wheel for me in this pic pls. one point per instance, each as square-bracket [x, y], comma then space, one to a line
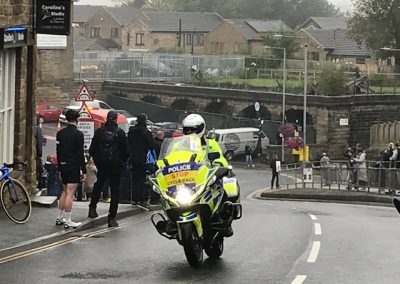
[215, 250]
[192, 245]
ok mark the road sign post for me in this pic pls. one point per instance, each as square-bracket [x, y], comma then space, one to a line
[85, 122]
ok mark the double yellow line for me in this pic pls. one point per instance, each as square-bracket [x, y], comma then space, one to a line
[56, 244]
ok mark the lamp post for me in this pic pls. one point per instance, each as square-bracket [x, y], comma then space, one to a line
[305, 88]
[283, 94]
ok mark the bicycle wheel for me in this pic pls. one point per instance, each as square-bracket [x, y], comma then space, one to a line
[15, 201]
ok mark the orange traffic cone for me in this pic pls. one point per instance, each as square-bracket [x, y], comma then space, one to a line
[58, 126]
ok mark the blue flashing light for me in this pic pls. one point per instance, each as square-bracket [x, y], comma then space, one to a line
[15, 29]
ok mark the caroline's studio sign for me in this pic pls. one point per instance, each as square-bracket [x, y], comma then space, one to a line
[13, 37]
[53, 17]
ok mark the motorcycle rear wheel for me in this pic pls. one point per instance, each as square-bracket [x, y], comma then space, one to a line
[216, 250]
[192, 245]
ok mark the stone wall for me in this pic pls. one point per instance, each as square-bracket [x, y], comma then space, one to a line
[19, 13]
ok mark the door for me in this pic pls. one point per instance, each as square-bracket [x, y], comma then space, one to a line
[7, 105]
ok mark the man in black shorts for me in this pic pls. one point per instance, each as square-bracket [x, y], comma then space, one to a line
[71, 164]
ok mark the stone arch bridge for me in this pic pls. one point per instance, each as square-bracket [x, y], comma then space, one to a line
[339, 121]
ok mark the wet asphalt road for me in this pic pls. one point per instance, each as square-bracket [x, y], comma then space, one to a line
[275, 242]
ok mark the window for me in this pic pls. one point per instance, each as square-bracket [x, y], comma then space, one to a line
[201, 39]
[95, 32]
[114, 32]
[82, 30]
[7, 102]
[188, 38]
[139, 39]
[360, 60]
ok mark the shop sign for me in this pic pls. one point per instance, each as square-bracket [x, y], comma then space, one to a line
[53, 17]
[13, 37]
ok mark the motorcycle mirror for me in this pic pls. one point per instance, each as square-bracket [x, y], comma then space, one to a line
[213, 156]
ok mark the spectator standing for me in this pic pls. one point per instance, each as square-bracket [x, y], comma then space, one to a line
[109, 150]
[361, 165]
[91, 178]
[351, 171]
[276, 168]
[325, 165]
[158, 140]
[71, 164]
[249, 158]
[39, 153]
[140, 141]
[53, 180]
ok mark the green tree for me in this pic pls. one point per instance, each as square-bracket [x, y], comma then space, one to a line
[291, 44]
[377, 24]
[331, 81]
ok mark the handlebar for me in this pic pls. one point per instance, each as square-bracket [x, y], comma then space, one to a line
[19, 166]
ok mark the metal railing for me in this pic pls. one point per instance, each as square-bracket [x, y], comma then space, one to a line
[373, 176]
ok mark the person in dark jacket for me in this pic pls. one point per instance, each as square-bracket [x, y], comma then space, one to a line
[71, 164]
[140, 142]
[109, 150]
[275, 166]
[158, 140]
[39, 153]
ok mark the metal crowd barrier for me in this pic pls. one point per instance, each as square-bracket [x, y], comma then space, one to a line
[373, 176]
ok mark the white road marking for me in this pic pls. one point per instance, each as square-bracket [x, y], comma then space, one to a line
[313, 217]
[314, 252]
[299, 279]
[256, 193]
[317, 229]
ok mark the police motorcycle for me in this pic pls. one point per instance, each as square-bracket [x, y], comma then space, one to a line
[200, 199]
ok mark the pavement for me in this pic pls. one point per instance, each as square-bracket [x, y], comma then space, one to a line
[41, 225]
[328, 195]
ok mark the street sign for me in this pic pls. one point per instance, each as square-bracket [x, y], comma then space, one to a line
[87, 128]
[308, 175]
[84, 94]
[84, 113]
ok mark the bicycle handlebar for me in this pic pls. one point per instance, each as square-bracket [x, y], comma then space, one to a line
[16, 164]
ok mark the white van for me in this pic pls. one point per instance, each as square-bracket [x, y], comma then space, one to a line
[234, 140]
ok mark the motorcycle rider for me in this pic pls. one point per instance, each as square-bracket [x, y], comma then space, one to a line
[195, 124]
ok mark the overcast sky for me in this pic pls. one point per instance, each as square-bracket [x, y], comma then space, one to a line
[343, 4]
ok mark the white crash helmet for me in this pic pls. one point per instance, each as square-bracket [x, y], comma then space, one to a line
[194, 124]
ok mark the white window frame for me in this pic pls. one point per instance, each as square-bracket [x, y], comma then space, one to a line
[7, 105]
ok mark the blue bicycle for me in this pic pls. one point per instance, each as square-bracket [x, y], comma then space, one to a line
[14, 197]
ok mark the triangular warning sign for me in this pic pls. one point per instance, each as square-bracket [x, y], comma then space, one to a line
[84, 94]
[84, 112]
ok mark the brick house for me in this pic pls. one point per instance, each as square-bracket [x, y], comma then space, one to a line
[324, 23]
[17, 90]
[104, 28]
[241, 36]
[81, 15]
[337, 46]
[153, 31]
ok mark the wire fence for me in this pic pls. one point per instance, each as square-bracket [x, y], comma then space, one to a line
[373, 177]
[235, 72]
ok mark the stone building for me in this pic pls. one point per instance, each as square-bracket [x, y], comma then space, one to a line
[157, 31]
[101, 28]
[241, 36]
[17, 91]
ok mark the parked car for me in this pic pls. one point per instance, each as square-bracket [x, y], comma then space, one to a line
[170, 129]
[48, 111]
[92, 104]
[234, 140]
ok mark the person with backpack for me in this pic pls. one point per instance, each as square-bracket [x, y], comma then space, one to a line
[109, 150]
[141, 142]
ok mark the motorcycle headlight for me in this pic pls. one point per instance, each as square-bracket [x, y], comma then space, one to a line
[184, 195]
